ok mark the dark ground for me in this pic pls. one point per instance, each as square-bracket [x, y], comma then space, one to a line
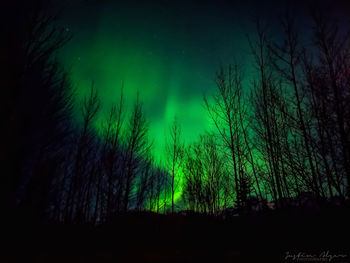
[146, 237]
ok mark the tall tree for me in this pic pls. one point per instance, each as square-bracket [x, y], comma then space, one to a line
[287, 58]
[110, 180]
[204, 180]
[83, 159]
[174, 149]
[228, 112]
[137, 148]
[333, 55]
[266, 99]
[36, 106]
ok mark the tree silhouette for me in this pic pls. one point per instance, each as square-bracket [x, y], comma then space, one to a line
[228, 112]
[174, 149]
[37, 110]
[204, 180]
[137, 147]
[287, 142]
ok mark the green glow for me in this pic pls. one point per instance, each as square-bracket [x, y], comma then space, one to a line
[170, 65]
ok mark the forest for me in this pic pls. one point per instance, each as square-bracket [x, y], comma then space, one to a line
[280, 144]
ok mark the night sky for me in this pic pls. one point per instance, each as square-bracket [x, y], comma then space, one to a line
[168, 51]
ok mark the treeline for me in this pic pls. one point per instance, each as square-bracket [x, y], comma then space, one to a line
[287, 135]
[284, 135]
[58, 165]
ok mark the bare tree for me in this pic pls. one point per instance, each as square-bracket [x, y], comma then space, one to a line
[82, 165]
[204, 169]
[266, 100]
[287, 58]
[228, 111]
[137, 147]
[35, 111]
[174, 150]
[333, 56]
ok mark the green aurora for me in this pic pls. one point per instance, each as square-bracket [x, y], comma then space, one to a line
[168, 55]
[166, 52]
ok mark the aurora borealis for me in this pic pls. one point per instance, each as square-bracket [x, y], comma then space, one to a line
[175, 131]
[167, 52]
